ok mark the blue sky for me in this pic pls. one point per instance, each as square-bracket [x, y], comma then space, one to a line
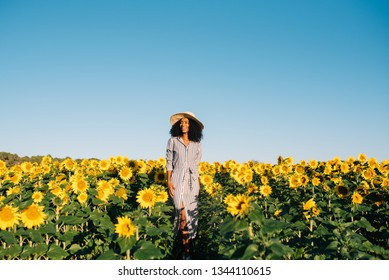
[307, 79]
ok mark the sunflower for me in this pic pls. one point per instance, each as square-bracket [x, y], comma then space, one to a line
[313, 164]
[82, 197]
[203, 167]
[327, 169]
[342, 191]
[162, 197]
[146, 198]
[3, 165]
[259, 168]
[304, 180]
[368, 174]
[125, 227]
[316, 181]
[251, 188]
[13, 190]
[228, 198]
[160, 176]
[9, 217]
[362, 158]
[356, 198]
[33, 215]
[276, 170]
[119, 160]
[79, 185]
[285, 169]
[248, 177]
[309, 204]
[104, 164]
[161, 162]
[315, 211]
[114, 182]
[122, 193]
[238, 205]
[104, 190]
[373, 163]
[206, 179]
[133, 164]
[265, 190]
[294, 181]
[344, 167]
[69, 164]
[299, 169]
[351, 160]
[37, 197]
[125, 173]
[277, 213]
[16, 178]
[289, 160]
[26, 166]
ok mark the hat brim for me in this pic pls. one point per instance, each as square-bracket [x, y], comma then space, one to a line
[176, 117]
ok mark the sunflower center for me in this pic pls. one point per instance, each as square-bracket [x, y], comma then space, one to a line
[6, 215]
[32, 213]
[148, 197]
[81, 185]
[240, 205]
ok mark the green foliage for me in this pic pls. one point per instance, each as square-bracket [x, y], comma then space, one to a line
[278, 225]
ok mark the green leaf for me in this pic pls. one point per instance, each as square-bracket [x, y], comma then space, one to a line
[106, 224]
[126, 243]
[147, 251]
[27, 252]
[363, 223]
[143, 178]
[109, 255]
[299, 225]
[250, 252]
[48, 229]
[232, 225]
[14, 251]
[333, 246]
[8, 237]
[41, 249]
[74, 248]
[273, 226]
[56, 253]
[257, 217]
[71, 220]
[68, 236]
[280, 249]
[35, 236]
[153, 231]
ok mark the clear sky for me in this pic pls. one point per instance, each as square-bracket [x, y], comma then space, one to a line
[307, 79]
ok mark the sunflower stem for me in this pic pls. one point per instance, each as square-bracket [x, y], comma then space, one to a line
[128, 256]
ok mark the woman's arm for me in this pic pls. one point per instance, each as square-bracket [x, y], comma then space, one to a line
[169, 166]
[170, 185]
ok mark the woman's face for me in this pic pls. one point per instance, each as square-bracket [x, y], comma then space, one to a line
[184, 124]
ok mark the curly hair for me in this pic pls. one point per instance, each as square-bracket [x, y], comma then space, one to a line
[195, 132]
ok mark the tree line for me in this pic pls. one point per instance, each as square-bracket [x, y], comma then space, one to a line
[14, 159]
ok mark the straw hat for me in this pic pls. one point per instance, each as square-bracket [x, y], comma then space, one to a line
[176, 117]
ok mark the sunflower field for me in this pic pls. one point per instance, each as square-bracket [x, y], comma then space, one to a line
[119, 208]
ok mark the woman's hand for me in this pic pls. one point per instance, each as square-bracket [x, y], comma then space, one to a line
[171, 188]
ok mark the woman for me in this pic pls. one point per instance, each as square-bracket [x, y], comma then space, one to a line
[183, 154]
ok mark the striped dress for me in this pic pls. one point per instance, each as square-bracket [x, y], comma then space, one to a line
[183, 161]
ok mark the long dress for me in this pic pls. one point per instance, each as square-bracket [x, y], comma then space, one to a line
[183, 161]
